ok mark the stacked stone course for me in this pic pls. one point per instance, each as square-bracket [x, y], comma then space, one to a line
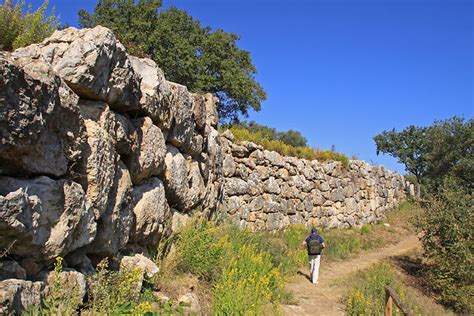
[267, 191]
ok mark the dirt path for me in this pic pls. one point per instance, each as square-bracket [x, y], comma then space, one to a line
[325, 298]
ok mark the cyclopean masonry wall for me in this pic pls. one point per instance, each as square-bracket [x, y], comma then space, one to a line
[100, 156]
[98, 153]
[264, 190]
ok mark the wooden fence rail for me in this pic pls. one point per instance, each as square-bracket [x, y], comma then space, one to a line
[391, 297]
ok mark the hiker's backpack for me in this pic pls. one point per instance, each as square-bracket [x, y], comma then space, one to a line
[314, 247]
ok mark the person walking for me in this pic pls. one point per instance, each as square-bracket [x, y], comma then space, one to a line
[314, 244]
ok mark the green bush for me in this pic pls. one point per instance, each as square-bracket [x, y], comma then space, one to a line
[201, 249]
[447, 228]
[328, 155]
[20, 27]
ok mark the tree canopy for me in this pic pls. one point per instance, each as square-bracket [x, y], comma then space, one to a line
[188, 53]
[20, 26]
[434, 152]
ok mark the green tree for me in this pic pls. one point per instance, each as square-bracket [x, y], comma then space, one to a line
[21, 29]
[293, 138]
[409, 147]
[190, 54]
[432, 153]
[451, 152]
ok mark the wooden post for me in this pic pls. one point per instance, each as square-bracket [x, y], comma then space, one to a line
[392, 297]
[388, 303]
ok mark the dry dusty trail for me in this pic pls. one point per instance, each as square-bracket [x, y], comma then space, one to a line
[325, 297]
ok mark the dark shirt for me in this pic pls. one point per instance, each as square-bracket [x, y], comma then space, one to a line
[314, 236]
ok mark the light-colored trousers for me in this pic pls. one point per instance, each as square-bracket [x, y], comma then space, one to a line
[314, 269]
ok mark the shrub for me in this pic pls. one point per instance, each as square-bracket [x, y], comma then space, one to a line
[20, 29]
[201, 249]
[246, 270]
[448, 228]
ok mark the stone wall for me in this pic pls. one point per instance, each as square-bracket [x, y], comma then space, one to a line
[267, 191]
[100, 156]
[98, 151]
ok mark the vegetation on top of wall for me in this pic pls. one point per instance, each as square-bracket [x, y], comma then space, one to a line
[274, 142]
[22, 27]
[290, 137]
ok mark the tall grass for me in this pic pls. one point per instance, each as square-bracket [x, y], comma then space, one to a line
[367, 297]
[246, 271]
[242, 134]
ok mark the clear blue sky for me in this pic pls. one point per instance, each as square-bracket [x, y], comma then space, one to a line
[341, 71]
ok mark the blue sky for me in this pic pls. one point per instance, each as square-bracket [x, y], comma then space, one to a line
[341, 71]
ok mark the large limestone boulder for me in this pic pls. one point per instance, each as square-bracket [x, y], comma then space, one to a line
[151, 212]
[147, 267]
[199, 111]
[196, 188]
[17, 296]
[41, 130]
[124, 135]
[184, 183]
[148, 151]
[92, 62]
[156, 92]
[236, 186]
[113, 227]
[100, 157]
[175, 177]
[212, 118]
[181, 132]
[44, 218]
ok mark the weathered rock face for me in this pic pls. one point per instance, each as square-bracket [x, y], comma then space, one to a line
[17, 296]
[101, 156]
[151, 212]
[95, 145]
[40, 124]
[148, 151]
[92, 62]
[44, 218]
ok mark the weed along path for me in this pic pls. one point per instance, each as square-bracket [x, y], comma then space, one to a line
[325, 297]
